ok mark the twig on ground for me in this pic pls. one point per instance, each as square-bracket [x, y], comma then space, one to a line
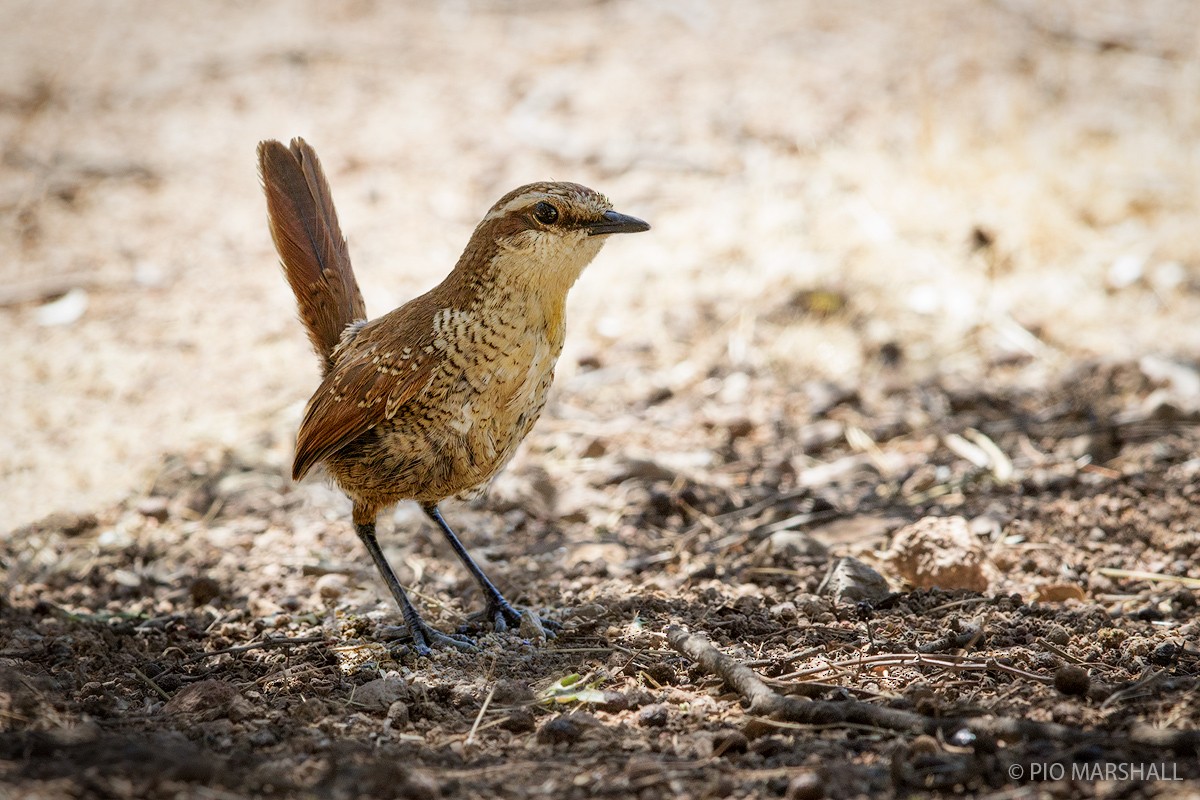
[264, 644]
[150, 682]
[964, 640]
[1140, 575]
[766, 702]
[487, 701]
[918, 659]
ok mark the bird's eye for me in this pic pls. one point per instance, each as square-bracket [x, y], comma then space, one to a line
[545, 213]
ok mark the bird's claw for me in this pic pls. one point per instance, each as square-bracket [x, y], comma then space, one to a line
[426, 638]
[526, 623]
[504, 616]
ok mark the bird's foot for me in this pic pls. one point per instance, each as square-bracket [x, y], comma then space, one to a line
[425, 639]
[505, 617]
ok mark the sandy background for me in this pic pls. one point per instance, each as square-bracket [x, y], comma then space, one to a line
[862, 150]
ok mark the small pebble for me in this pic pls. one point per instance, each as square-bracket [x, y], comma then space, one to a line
[654, 716]
[332, 585]
[806, 786]
[560, 730]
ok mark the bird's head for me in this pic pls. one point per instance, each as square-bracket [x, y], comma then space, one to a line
[544, 234]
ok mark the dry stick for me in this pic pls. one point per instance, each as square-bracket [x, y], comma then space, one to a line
[487, 701]
[150, 681]
[963, 640]
[766, 702]
[952, 662]
[265, 643]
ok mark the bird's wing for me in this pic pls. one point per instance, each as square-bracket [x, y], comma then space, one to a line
[373, 377]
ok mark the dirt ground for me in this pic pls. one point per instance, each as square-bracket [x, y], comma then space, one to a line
[921, 293]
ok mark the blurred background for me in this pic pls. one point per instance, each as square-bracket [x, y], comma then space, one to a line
[844, 195]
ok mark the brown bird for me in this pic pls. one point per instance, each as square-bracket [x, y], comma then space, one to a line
[430, 400]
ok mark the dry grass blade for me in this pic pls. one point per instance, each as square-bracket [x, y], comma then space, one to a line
[1138, 575]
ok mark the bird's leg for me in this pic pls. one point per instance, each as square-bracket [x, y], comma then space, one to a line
[499, 610]
[424, 637]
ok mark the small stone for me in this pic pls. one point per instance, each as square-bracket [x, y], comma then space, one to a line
[397, 716]
[519, 721]
[851, 581]
[380, 694]
[940, 552]
[127, 578]
[332, 585]
[562, 730]
[63, 310]
[263, 738]
[209, 700]
[806, 786]
[589, 361]
[654, 716]
[739, 427]
[787, 545]
[1165, 654]
[613, 702]
[154, 508]
[511, 692]
[595, 448]
[1058, 635]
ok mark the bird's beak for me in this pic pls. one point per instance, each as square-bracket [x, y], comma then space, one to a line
[614, 222]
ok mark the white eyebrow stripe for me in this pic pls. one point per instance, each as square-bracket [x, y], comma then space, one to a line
[519, 201]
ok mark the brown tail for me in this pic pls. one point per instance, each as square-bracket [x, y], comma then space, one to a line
[311, 247]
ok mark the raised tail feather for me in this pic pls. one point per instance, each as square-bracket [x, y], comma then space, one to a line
[311, 247]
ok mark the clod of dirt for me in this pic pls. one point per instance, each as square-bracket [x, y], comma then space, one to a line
[203, 589]
[567, 729]
[659, 672]
[512, 692]
[379, 694]
[851, 581]
[559, 730]
[531, 628]
[1164, 654]
[1072, 680]
[787, 545]
[613, 702]
[654, 716]
[806, 786]
[1112, 638]
[1057, 634]
[939, 552]
[397, 716]
[210, 700]
[332, 585]
[519, 721]
[730, 742]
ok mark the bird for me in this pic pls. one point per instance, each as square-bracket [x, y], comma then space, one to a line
[430, 400]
